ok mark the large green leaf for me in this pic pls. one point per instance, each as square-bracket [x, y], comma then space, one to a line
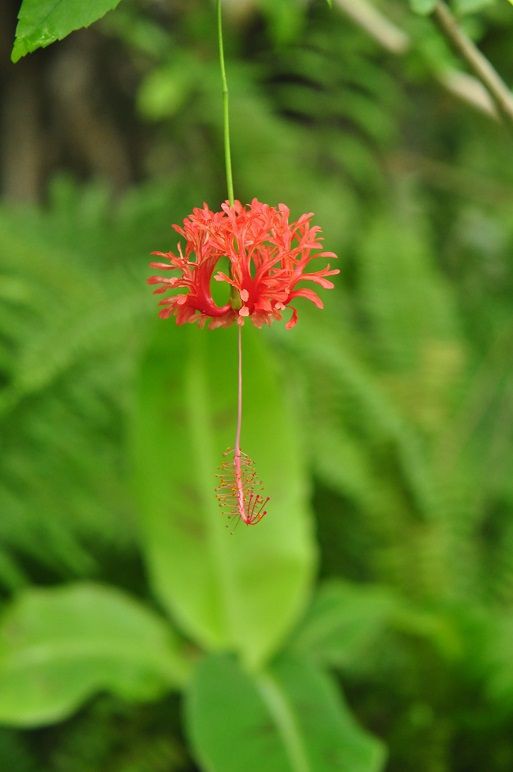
[244, 589]
[289, 719]
[344, 622]
[41, 22]
[347, 625]
[59, 646]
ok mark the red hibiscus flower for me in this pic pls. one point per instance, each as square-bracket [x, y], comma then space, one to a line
[269, 260]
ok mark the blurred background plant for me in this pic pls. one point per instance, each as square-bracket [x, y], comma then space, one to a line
[383, 425]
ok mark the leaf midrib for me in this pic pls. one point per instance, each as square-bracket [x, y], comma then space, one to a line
[47, 652]
[201, 431]
[36, 27]
[283, 715]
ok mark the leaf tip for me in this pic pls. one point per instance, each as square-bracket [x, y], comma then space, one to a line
[17, 52]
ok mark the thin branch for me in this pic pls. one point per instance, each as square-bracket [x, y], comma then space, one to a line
[477, 62]
[469, 90]
[396, 41]
[376, 25]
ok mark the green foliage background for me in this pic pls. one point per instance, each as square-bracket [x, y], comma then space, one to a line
[368, 623]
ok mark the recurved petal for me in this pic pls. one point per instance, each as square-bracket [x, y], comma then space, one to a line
[320, 280]
[293, 319]
[308, 295]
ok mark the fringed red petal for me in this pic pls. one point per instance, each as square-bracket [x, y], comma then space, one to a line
[268, 257]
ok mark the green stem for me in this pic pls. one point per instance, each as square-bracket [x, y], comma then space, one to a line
[226, 105]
